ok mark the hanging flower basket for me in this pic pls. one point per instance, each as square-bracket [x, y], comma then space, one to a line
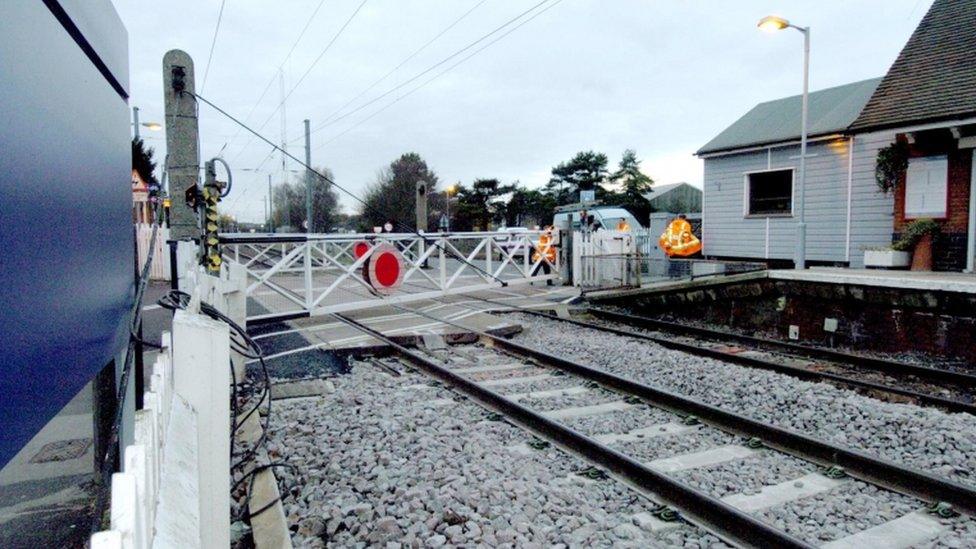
[891, 163]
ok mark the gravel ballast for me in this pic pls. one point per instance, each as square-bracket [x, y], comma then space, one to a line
[376, 467]
[929, 439]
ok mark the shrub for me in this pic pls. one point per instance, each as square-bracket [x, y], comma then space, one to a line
[914, 232]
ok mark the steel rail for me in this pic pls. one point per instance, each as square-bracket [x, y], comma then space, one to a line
[882, 365]
[948, 404]
[699, 508]
[875, 470]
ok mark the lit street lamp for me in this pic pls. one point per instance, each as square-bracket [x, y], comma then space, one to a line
[154, 126]
[772, 23]
[447, 195]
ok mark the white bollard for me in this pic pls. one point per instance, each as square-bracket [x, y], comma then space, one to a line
[201, 375]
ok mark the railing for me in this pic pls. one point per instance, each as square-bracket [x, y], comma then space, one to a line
[173, 489]
[606, 260]
[159, 270]
[301, 275]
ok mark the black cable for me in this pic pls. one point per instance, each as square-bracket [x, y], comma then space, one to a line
[402, 63]
[135, 317]
[308, 22]
[430, 68]
[220, 17]
[307, 71]
[426, 237]
[435, 77]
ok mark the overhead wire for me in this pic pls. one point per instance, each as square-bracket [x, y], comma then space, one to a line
[435, 77]
[430, 68]
[307, 71]
[406, 60]
[206, 72]
[329, 180]
[267, 87]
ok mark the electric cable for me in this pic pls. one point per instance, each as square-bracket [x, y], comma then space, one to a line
[307, 71]
[425, 237]
[430, 68]
[206, 72]
[401, 64]
[435, 77]
[308, 22]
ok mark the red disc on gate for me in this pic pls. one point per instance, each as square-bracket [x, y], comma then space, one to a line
[360, 248]
[384, 269]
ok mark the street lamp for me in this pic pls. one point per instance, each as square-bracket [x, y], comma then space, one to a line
[154, 126]
[447, 195]
[771, 23]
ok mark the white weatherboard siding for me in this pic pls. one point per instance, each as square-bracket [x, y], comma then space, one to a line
[728, 233]
[872, 218]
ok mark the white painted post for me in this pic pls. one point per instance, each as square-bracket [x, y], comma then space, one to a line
[308, 276]
[135, 465]
[234, 290]
[125, 510]
[201, 375]
[442, 262]
[186, 261]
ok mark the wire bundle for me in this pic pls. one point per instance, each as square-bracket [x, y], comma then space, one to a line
[252, 396]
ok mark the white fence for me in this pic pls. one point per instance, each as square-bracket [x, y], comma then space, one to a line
[160, 265]
[600, 259]
[174, 487]
[605, 260]
[323, 273]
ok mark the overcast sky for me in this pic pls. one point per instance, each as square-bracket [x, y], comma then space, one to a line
[662, 77]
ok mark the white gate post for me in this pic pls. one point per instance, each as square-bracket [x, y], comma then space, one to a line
[201, 359]
[308, 276]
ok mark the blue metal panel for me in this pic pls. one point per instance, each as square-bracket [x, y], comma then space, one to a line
[66, 257]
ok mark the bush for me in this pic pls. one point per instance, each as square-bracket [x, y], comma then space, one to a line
[913, 233]
[891, 162]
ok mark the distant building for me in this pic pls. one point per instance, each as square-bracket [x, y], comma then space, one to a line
[927, 99]
[675, 198]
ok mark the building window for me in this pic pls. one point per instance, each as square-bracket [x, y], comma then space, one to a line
[926, 186]
[769, 192]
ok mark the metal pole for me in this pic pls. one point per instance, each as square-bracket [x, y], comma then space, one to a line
[270, 206]
[800, 261]
[447, 206]
[135, 121]
[308, 179]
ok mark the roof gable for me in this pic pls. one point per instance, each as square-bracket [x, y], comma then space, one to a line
[934, 76]
[830, 110]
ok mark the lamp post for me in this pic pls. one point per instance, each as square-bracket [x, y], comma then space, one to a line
[772, 23]
[154, 126]
[447, 204]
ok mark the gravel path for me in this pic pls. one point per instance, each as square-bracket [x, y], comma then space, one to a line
[931, 440]
[377, 468]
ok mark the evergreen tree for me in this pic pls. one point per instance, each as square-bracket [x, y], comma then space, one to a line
[634, 185]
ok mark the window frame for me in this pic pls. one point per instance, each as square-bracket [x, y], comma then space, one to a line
[944, 214]
[747, 187]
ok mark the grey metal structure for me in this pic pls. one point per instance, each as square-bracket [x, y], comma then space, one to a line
[844, 211]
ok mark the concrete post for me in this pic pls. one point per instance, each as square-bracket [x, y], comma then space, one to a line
[182, 131]
[201, 354]
[422, 206]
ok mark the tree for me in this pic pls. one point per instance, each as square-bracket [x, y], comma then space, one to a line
[479, 205]
[143, 163]
[392, 197]
[289, 202]
[585, 171]
[529, 207]
[634, 185]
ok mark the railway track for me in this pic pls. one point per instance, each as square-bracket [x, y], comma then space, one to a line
[898, 381]
[564, 403]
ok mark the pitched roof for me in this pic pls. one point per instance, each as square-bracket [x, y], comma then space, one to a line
[934, 77]
[830, 111]
[657, 191]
